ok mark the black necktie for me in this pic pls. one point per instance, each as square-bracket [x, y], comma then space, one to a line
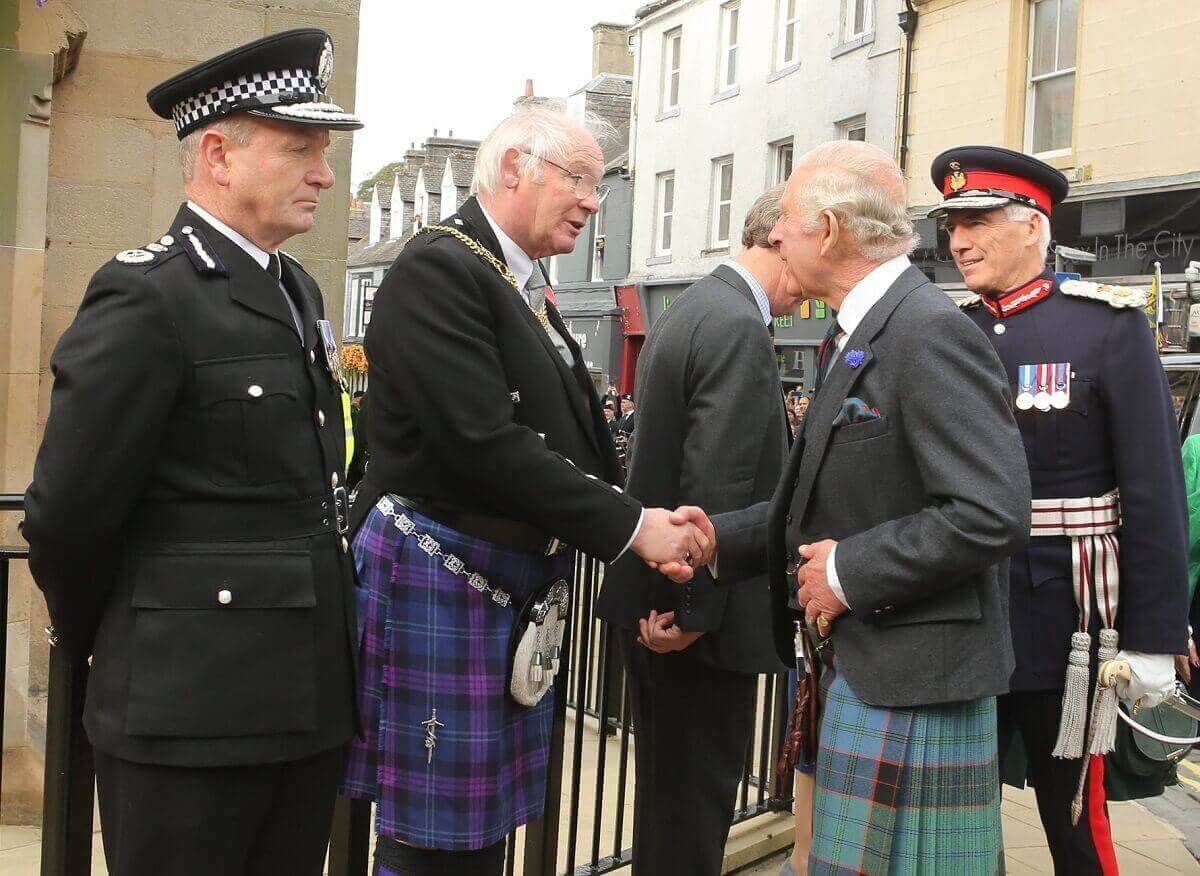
[292, 295]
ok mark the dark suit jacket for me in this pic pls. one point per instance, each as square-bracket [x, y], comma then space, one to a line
[713, 434]
[926, 503]
[184, 456]
[472, 405]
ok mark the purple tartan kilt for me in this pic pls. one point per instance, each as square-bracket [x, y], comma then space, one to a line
[432, 641]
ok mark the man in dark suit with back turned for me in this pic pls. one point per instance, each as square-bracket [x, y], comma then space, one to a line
[713, 434]
[906, 491]
[186, 513]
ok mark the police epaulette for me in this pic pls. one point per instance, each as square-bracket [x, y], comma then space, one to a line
[1113, 296]
[203, 257]
[969, 301]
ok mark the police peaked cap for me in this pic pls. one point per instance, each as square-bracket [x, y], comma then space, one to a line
[986, 177]
[284, 76]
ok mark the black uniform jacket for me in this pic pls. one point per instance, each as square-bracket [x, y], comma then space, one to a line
[472, 405]
[181, 518]
[1119, 430]
[713, 434]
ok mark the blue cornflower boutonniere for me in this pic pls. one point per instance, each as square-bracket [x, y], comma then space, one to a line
[854, 358]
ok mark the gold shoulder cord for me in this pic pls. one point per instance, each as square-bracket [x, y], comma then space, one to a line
[501, 268]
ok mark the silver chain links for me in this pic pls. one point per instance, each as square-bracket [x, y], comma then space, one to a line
[431, 546]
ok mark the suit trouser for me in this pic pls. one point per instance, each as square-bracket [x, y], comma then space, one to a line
[1035, 715]
[256, 820]
[692, 725]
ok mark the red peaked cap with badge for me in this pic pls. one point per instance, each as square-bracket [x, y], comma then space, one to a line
[987, 177]
[283, 76]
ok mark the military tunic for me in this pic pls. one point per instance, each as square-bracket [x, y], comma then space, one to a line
[1117, 431]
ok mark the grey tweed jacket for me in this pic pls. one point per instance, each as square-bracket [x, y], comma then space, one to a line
[927, 503]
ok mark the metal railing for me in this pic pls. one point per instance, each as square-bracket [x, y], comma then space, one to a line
[586, 827]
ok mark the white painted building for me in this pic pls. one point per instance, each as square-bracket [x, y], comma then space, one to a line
[726, 93]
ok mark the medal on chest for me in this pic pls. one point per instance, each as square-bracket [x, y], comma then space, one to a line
[333, 359]
[1045, 386]
[1025, 375]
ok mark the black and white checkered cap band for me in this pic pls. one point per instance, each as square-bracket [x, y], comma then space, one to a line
[242, 93]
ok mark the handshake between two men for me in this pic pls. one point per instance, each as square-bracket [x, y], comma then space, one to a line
[678, 542]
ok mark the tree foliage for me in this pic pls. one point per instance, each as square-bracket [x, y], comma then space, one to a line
[384, 174]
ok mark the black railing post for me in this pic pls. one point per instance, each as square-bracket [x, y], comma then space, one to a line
[350, 840]
[69, 790]
[541, 836]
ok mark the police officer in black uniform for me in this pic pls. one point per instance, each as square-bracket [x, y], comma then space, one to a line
[187, 509]
[1109, 511]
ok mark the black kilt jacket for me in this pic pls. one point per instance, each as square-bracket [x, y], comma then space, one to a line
[1118, 431]
[182, 518]
[473, 407]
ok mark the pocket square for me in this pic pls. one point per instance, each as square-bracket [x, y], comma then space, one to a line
[855, 410]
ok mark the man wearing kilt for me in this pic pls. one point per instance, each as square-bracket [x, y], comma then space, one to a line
[489, 454]
[1106, 568]
[905, 492]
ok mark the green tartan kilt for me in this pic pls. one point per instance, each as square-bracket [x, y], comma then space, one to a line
[905, 791]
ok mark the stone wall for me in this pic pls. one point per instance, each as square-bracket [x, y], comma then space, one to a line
[109, 179]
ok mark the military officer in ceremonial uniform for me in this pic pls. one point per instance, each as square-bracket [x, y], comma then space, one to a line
[187, 510]
[1106, 568]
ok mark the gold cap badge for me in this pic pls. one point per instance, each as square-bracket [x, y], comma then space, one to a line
[958, 179]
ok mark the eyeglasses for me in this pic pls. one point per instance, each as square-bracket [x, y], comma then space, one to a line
[584, 187]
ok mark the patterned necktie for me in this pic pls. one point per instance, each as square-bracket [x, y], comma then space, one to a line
[826, 354]
[535, 294]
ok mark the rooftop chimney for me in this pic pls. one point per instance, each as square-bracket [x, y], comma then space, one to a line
[529, 88]
[610, 49]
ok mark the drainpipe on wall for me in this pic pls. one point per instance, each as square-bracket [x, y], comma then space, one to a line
[908, 24]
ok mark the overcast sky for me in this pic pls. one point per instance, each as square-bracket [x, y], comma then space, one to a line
[458, 65]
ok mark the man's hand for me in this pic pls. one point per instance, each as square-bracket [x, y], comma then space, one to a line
[669, 538]
[815, 594]
[660, 635]
[681, 573]
[1184, 665]
[1152, 677]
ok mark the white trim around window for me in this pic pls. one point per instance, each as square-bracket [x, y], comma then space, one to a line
[672, 54]
[858, 19]
[664, 212]
[721, 214]
[727, 59]
[787, 34]
[780, 155]
[854, 128]
[1050, 77]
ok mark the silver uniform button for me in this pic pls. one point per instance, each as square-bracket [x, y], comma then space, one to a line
[345, 545]
[999, 328]
[320, 418]
[187, 229]
[166, 240]
[254, 390]
[334, 480]
[312, 357]
[224, 597]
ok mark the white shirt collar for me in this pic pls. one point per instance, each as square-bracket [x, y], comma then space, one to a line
[255, 252]
[868, 291]
[756, 289]
[520, 264]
